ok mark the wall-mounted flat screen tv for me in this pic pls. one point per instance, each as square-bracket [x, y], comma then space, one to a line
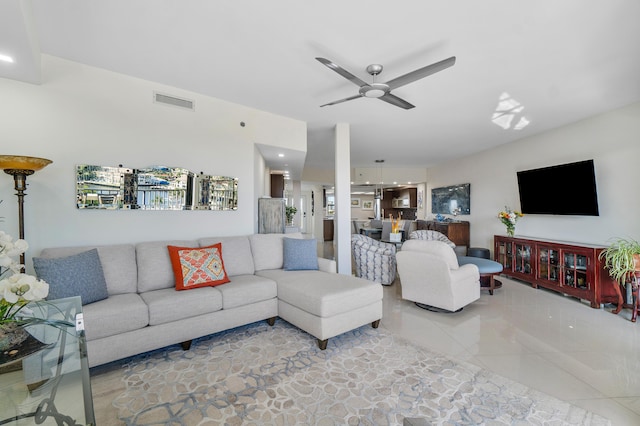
[565, 189]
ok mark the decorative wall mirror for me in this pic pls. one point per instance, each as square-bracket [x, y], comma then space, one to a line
[217, 193]
[153, 188]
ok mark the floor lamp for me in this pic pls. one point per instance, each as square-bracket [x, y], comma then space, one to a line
[20, 167]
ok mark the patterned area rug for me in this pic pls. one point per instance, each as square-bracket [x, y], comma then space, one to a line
[261, 375]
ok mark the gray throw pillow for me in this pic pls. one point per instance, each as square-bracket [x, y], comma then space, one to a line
[77, 275]
[300, 254]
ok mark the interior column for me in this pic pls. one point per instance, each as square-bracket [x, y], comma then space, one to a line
[342, 218]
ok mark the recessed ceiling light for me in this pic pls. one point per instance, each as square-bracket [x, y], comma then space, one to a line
[280, 155]
[6, 58]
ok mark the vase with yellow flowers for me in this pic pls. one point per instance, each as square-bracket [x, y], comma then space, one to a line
[396, 226]
[509, 218]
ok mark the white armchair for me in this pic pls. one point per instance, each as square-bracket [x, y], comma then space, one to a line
[431, 277]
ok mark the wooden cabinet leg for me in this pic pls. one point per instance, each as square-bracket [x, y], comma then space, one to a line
[271, 321]
[618, 308]
[375, 324]
[186, 345]
[636, 301]
[322, 344]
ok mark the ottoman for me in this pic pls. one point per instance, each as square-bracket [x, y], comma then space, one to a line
[487, 268]
[479, 252]
[326, 305]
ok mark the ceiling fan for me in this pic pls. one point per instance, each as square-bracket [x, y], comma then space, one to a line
[382, 91]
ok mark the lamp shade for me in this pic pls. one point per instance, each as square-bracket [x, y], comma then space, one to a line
[20, 162]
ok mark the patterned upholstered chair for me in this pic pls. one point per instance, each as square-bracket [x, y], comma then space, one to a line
[424, 234]
[375, 260]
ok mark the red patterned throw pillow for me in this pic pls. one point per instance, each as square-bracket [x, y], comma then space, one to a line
[195, 267]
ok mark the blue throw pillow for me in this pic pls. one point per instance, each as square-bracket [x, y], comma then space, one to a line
[76, 275]
[300, 254]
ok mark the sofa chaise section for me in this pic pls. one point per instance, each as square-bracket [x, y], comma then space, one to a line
[326, 305]
[320, 302]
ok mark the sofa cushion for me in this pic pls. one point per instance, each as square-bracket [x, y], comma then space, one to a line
[168, 305]
[323, 294]
[118, 264]
[154, 264]
[195, 267]
[268, 250]
[115, 315]
[76, 275]
[247, 289]
[300, 254]
[238, 259]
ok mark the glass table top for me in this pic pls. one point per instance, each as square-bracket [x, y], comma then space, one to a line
[49, 383]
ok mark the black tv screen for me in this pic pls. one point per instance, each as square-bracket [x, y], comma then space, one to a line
[566, 189]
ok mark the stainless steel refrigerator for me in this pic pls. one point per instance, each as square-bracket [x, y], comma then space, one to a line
[271, 216]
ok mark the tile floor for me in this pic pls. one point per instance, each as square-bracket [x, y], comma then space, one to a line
[550, 342]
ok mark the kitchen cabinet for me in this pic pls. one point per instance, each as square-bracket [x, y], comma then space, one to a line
[457, 231]
[327, 229]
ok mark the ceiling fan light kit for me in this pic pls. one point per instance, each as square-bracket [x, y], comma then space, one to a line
[382, 91]
[375, 90]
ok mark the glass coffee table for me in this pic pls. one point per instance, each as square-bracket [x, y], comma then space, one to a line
[50, 384]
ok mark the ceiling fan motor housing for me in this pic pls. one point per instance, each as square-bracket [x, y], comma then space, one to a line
[374, 90]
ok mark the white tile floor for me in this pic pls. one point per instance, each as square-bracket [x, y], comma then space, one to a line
[550, 342]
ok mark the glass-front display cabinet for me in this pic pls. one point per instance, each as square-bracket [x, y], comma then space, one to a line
[563, 267]
[575, 270]
[570, 268]
[516, 257]
[548, 264]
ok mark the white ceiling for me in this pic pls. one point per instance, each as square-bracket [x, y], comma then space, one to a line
[561, 60]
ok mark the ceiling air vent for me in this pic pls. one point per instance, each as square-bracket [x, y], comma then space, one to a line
[172, 100]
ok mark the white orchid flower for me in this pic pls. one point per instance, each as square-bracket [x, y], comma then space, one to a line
[20, 246]
[9, 292]
[35, 289]
[17, 289]
[5, 238]
[5, 261]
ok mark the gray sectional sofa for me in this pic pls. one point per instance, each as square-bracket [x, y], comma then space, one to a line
[144, 311]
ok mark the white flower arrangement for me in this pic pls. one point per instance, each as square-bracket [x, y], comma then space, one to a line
[17, 289]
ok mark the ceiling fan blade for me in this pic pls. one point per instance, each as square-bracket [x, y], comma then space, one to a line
[394, 100]
[421, 73]
[346, 74]
[342, 100]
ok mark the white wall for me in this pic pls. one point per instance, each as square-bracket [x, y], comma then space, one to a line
[612, 140]
[85, 115]
[360, 213]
